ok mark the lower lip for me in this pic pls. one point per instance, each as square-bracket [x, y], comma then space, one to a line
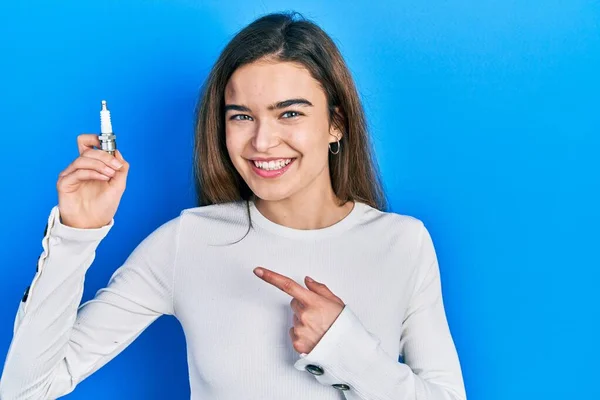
[270, 174]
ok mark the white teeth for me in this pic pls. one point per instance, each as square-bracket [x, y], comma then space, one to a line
[272, 165]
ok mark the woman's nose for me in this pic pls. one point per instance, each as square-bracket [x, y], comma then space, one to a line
[265, 137]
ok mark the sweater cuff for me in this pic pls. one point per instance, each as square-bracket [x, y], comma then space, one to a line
[79, 241]
[344, 353]
[58, 229]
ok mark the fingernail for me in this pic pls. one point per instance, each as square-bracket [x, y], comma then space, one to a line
[258, 272]
[308, 278]
[116, 164]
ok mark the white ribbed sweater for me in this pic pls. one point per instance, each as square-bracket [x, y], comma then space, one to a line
[382, 265]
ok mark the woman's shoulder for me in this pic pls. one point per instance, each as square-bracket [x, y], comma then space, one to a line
[395, 219]
[214, 221]
[392, 224]
[218, 212]
[231, 213]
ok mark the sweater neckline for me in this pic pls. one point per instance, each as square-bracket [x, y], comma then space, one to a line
[343, 225]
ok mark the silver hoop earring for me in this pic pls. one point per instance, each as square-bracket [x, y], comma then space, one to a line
[338, 147]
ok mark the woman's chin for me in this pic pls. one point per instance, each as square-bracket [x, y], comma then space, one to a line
[270, 192]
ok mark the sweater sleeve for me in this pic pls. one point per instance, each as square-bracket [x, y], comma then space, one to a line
[57, 342]
[349, 357]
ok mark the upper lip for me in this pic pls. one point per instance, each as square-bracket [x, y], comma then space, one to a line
[271, 158]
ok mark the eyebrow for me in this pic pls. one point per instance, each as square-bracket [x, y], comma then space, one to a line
[277, 106]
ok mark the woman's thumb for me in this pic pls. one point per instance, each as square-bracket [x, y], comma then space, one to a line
[121, 176]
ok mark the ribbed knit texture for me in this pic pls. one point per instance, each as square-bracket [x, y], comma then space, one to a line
[199, 266]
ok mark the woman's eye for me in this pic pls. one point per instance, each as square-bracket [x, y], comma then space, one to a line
[290, 114]
[240, 117]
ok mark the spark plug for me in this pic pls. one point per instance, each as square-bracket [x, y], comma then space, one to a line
[107, 137]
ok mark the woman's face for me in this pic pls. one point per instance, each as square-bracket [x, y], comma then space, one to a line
[277, 129]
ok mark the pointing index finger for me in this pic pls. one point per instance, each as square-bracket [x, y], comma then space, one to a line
[284, 283]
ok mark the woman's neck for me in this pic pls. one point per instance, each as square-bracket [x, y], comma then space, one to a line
[300, 212]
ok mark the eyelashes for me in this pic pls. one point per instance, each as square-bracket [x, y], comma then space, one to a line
[240, 117]
[286, 115]
[292, 112]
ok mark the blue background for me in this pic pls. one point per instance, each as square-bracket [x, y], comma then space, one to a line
[485, 119]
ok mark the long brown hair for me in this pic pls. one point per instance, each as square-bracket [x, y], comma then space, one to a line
[286, 37]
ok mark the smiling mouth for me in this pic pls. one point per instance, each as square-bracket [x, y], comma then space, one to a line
[272, 165]
[271, 168]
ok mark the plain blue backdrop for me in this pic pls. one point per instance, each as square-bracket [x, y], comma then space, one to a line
[484, 115]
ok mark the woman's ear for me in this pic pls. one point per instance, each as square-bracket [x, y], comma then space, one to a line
[336, 126]
[335, 133]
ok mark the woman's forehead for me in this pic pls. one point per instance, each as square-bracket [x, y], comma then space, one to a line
[262, 83]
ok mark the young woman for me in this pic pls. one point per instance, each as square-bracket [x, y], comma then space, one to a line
[288, 190]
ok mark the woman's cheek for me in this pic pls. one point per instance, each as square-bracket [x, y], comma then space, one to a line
[304, 140]
[234, 140]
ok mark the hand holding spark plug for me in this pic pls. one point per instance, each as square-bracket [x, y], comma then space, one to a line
[91, 187]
